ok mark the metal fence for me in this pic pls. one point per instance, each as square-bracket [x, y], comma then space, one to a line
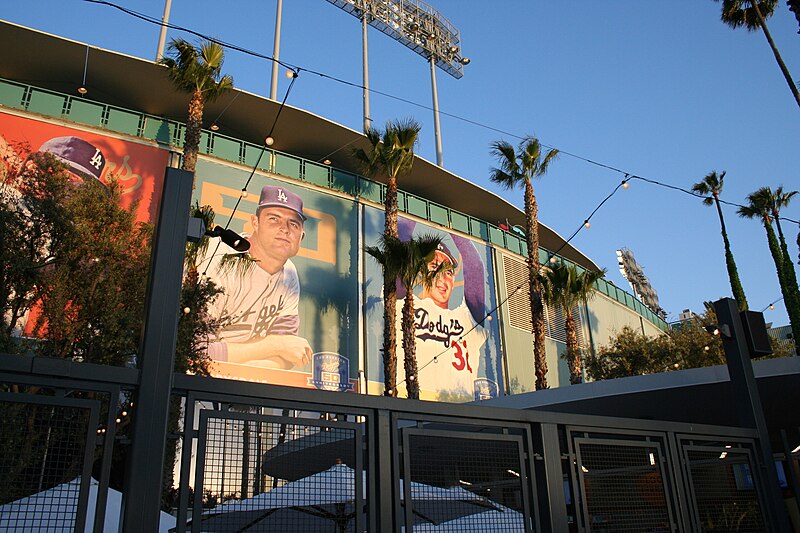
[255, 457]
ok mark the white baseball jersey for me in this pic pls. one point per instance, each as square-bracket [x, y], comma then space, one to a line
[442, 334]
[255, 304]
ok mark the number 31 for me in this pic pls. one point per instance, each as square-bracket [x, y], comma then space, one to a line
[462, 356]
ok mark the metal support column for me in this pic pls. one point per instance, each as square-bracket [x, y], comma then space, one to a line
[276, 52]
[365, 69]
[748, 407]
[550, 483]
[156, 358]
[382, 505]
[437, 130]
[162, 36]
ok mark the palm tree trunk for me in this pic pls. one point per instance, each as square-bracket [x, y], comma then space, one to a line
[790, 278]
[573, 348]
[390, 297]
[390, 208]
[777, 54]
[194, 124]
[733, 272]
[777, 257]
[410, 347]
[389, 337]
[537, 307]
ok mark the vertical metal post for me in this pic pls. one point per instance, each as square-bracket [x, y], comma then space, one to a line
[162, 36]
[156, 359]
[748, 406]
[437, 131]
[550, 485]
[384, 480]
[365, 69]
[276, 52]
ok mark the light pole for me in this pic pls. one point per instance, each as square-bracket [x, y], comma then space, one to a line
[419, 27]
[276, 52]
[365, 69]
[162, 36]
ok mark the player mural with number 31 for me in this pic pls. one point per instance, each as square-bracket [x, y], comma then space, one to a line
[449, 338]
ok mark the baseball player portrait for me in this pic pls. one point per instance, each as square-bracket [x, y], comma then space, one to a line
[449, 334]
[258, 309]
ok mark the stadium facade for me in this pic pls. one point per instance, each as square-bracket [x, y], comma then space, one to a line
[135, 118]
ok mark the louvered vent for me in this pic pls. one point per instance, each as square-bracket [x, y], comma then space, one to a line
[519, 306]
[556, 323]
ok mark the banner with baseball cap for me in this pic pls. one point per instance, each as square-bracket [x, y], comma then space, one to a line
[457, 347]
[138, 168]
[289, 317]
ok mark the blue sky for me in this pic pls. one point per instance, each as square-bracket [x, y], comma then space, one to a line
[662, 90]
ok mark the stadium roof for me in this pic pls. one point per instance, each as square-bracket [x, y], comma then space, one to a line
[55, 63]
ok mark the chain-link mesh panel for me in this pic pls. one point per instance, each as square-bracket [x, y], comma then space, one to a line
[40, 466]
[461, 484]
[724, 492]
[261, 475]
[623, 487]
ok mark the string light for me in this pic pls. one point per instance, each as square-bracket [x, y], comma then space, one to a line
[771, 305]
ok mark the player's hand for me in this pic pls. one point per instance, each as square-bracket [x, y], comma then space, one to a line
[273, 351]
[289, 350]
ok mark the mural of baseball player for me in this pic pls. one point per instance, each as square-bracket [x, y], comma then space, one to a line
[451, 334]
[258, 310]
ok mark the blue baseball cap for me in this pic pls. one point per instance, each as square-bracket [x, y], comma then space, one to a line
[275, 196]
[81, 157]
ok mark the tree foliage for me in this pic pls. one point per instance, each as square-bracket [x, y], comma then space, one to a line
[711, 188]
[764, 205]
[408, 261]
[74, 261]
[567, 287]
[753, 15]
[518, 168]
[686, 345]
[391, 153]
[73, 280]
[196, 70]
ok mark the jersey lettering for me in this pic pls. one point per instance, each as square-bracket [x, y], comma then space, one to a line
[441, 330]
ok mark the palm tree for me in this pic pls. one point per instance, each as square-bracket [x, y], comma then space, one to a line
[408, 261]
[759, 206]
[565, 287]
[391, 154]
[197, 71]
[712, 185]
[752, 15]
[519, 168]
[777, 201]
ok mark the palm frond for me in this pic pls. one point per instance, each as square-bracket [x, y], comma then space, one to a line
[239, 264]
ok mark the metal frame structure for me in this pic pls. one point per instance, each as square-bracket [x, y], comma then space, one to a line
[384, 447]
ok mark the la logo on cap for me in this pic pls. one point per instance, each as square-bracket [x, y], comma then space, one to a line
[282, 197]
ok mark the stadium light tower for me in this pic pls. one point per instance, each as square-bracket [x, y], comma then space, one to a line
[422, 29]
